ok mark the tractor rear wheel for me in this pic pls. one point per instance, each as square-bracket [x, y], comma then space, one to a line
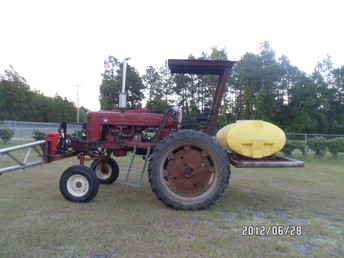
[106, 170]
[189, 170]
[79, 184]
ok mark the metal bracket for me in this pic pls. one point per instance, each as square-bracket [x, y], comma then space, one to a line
[25, 163]
[142, 172]
[271, 162]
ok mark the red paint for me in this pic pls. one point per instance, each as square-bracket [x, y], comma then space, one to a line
[81, 159]
[53, 139]
[119, 153]
[165, 132]
[97, 120]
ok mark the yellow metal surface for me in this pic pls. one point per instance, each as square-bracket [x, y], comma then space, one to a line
[252, 138]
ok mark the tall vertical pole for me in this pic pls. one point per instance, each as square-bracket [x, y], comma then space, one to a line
[124, 77]
[77, 104]
[123, 94]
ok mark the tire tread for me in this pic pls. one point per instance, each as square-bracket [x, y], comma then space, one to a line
[180, 136]
[82, 170]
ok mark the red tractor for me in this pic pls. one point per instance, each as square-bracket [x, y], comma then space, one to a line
[187, 169]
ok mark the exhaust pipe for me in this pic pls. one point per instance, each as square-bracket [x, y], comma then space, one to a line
[123, 94]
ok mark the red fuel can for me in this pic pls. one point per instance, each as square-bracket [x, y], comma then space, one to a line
[53, 139]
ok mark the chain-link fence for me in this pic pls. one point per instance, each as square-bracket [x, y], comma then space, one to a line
[298, 145]
[315, 145]
[23, 131]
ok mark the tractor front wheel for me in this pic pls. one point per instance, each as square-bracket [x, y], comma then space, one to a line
[106, 170]
[189, 170]
[79, 184]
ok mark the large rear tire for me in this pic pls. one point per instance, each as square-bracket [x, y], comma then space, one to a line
[79, 184]
[189, 170]
[106, 170]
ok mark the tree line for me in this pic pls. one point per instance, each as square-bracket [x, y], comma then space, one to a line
[261, 86]
[19, 102]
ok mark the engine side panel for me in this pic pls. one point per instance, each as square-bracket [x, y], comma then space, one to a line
[96, 121]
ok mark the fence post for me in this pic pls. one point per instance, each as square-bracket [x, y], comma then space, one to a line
[306, 138]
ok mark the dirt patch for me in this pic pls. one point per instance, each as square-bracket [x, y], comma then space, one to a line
[304, 248]
[260, 214]
[228, 215]
[291, 220]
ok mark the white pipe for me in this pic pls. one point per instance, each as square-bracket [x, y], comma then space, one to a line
[123, 94]
[124, 77]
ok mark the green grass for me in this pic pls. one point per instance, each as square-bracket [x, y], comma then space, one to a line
[35, 220]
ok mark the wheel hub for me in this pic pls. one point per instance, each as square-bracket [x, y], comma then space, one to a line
[77, 185]
[188, 171]
[103, 170]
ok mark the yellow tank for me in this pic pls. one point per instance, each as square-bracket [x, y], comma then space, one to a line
[252, 138]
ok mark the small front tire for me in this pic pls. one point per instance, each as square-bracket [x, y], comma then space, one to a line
[79, 184]
[106, 170]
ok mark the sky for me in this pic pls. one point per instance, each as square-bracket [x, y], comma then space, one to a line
[57, 45]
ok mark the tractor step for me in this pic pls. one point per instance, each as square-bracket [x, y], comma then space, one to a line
[25, 163]
[142, 172]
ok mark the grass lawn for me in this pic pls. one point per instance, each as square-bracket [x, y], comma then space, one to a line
[36, 221]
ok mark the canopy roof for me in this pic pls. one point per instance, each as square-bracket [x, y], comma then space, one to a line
[193, 66]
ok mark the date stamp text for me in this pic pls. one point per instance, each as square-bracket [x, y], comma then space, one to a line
[272, 230]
